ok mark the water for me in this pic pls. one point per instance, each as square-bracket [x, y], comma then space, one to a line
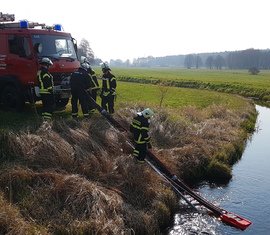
[247, 194]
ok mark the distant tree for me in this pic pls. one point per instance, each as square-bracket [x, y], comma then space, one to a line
[189, 61]
[209, 62]
[219, 62]
[116, 63]
[198, 61]
[253, 70]
[265, 60]
[127, 63]
[245, 59]
[84, 49]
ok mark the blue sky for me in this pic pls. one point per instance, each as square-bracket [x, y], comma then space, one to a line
[127, 29]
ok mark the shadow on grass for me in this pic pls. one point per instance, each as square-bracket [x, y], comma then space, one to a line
[29, 118]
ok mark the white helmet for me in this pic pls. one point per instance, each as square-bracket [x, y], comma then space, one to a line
[85, 66]
[105, 66]
[84, 60]
[147, 113]
[46, 61]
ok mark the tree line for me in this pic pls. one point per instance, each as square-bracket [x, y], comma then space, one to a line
[244, 59]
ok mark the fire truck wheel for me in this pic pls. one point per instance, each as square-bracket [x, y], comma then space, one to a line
[11, 99]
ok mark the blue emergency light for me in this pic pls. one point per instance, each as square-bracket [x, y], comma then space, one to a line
[57, 27]
[24, 24]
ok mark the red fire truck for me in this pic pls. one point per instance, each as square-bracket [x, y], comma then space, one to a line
[22, 45]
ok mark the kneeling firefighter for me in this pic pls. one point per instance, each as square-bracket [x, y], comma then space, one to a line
[140, 128]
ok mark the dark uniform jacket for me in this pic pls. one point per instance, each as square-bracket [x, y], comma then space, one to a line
[79, 80]
[140, 127]
[108, 84]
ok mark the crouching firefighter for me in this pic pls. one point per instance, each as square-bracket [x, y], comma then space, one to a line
[140, 128]
[45, 83]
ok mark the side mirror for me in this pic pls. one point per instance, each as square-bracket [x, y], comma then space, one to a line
[38, 48]
[75, 44]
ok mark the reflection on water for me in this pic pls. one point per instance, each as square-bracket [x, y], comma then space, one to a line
[194, 223]
[248, 193]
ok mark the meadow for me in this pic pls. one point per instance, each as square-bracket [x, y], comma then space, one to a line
[229, 81]
[174, 97]
[155, 96]
[163, 87]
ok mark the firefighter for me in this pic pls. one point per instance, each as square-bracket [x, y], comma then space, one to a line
[45, 83]
[108, 90]
[94, 88]
[140, 128]
[79, 84]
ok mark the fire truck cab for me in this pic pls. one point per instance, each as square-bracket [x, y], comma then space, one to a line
[22, 45]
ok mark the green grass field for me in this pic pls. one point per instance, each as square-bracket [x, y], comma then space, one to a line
[142, 91]
[132, 94]
[230, 81]
[174, 97]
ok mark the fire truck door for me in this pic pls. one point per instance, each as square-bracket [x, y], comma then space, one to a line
[21, 61]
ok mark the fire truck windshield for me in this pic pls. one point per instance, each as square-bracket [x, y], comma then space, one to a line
[54, 46]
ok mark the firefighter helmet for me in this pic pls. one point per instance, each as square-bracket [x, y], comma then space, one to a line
[85, 66]
[46, 61]
[105, 66]
[147, 113]
[84, 60]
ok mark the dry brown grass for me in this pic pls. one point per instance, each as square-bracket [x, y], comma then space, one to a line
[12, 222]
[80, 178]
[189, 144]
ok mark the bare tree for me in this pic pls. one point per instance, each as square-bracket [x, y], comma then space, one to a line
[198, 61]
[189, 61]
[253, 70]
[209, 62]
[219, 62]
[85, 50]
[163, 92]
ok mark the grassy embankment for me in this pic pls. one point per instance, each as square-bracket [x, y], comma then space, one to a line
[79, 177]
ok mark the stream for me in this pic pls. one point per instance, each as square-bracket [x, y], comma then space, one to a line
[247, 194]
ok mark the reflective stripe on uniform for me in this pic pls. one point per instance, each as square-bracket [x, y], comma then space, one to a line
[46, 115]
[139, 140]
[105, 93]
[43, 90]
[136, 153]
[136, 124]
[92, 111]
[93, 82]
